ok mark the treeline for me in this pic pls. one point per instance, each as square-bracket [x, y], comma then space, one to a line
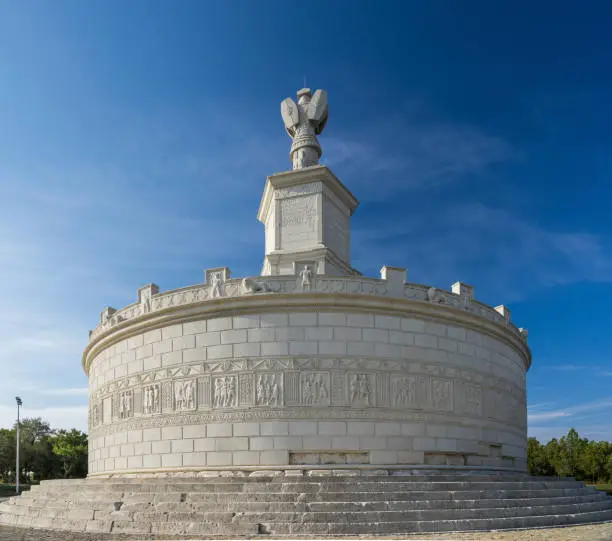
[571, 456]
[44, 453]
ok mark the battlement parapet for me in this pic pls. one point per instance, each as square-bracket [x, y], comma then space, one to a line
[219, 286]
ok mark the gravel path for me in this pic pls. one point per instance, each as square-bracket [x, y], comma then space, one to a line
[596, 532]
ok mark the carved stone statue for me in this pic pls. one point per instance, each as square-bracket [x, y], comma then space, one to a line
[303, 122]
[216, 285]
[306, 278]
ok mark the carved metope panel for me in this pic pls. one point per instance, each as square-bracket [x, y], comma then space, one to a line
[224, 392]
[361, 392]
[185, 395]
[404, 391]
[315, 388]
[125, 404]
[151, 399]
[268, 389]
[442, 394]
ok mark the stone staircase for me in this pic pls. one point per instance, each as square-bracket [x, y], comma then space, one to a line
[306, 504]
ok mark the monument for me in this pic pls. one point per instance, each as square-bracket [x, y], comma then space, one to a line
[309, 399]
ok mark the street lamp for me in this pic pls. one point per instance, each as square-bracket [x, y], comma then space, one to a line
[19, 403]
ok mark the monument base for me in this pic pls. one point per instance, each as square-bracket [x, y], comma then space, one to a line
[323, 502]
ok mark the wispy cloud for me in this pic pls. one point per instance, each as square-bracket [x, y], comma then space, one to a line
[570, 411]
[422, 154]
[566, 367]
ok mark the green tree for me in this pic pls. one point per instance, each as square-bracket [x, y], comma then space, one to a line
[538, 462]
[608, 468]
[567, 454]
[71, 447]
[36, 448]
[7, 452]
[593, 460]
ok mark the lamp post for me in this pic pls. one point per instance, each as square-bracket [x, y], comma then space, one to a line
[19, 403]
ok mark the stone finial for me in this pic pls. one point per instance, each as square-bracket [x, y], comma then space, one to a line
[524, 333]
[465, 292]
[145, 296]
[504, 311]
[303, 122]
[395, 278]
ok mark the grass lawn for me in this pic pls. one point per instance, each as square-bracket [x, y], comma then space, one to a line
[605, 486]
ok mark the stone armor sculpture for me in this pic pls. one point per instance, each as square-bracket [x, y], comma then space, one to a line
[303, 122]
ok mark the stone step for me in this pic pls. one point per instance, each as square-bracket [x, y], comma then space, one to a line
[130, 527]
[345, 527]
[418, 515]
[390, 528]
[331, 515]
[102, 499]
[312, 486]
[291, 478]
[247, 505]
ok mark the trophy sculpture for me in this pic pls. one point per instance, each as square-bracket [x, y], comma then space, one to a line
[303, 122]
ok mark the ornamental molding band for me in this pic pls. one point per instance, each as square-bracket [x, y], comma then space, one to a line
[309, 361]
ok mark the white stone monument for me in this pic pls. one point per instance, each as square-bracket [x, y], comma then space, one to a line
[309, 400]
[309, 364]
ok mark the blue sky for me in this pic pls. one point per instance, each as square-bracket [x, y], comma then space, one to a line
[135, 139]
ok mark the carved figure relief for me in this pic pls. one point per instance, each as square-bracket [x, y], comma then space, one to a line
[216, 285]
[441, 394]
[125, 404]
[361, 390]
[224, 392]
[315, 389]
[268, 390]
[434, 296]
[151, 403]
[146, 301]
[405, 392]
[184, 395]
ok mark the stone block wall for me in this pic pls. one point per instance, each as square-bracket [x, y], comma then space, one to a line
[307, 386]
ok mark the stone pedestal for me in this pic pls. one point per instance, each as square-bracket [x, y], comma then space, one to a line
[307, 214]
